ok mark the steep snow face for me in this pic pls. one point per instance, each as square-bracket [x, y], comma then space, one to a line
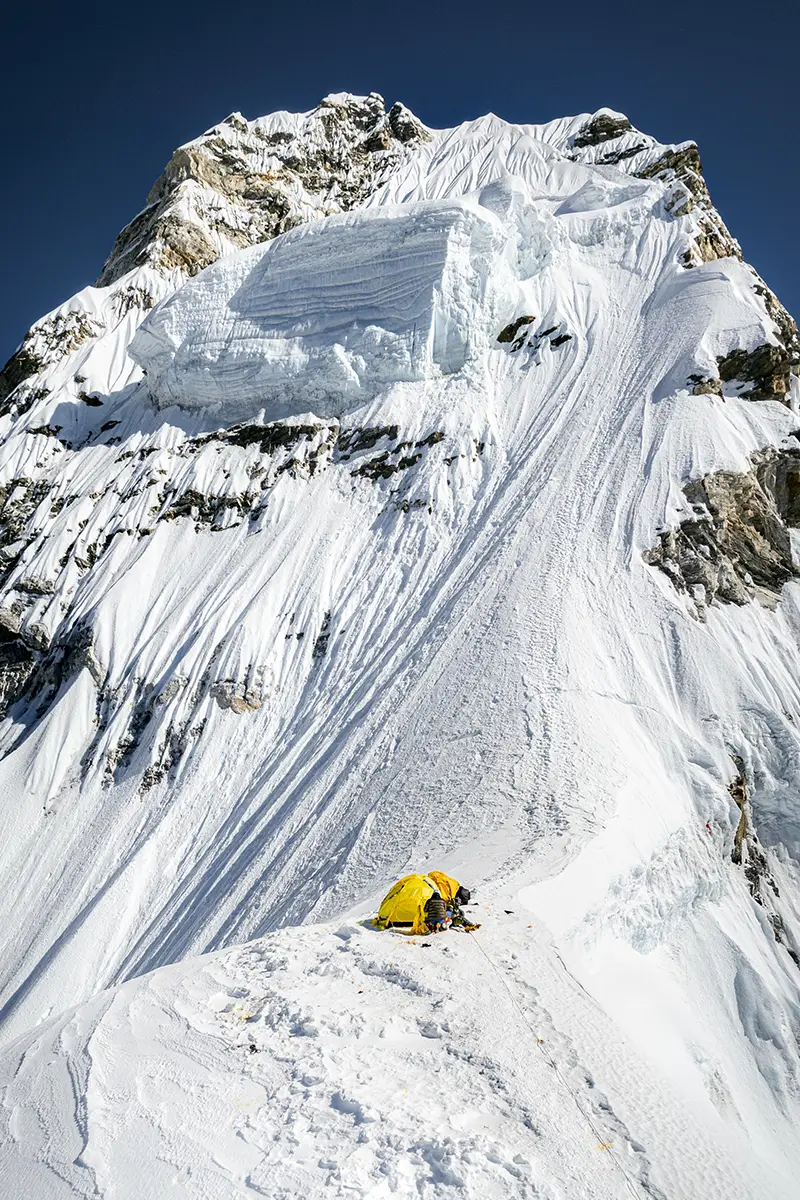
[327, 316]
[461, 604]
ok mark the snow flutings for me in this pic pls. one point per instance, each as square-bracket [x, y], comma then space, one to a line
[351, 574]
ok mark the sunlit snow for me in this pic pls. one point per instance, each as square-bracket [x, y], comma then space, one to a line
[327, 316]
[409, 627]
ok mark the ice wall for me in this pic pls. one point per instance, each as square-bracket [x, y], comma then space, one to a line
[330, 313]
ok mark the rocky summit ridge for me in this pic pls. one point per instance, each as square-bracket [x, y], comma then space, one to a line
[243, 182]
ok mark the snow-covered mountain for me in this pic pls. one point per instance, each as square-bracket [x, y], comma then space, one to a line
[403, 498]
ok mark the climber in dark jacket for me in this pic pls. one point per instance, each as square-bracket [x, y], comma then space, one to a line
[456, 915]
[443, 909]
[436, 914]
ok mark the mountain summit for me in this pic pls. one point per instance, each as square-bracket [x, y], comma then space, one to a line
[403, 498]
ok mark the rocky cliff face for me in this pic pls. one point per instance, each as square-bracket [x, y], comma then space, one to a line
[737, 546]
[245, 182]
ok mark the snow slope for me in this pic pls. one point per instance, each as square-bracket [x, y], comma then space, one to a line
[374, 596]
[335, 1061]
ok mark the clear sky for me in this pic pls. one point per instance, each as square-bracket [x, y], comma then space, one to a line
[96, 96]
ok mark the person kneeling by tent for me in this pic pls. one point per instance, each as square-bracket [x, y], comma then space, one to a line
[425, 904]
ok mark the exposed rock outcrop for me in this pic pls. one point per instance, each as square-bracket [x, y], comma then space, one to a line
[521, 334]
[765, 372]
[602, 128]
[736, 547]
[45, 343]
[702, 385]
[34, 671]
[323, 637]
[785, 325]
[750, 855]
[405, 126]
[712, 237]
[246, 182]
[767, 369]
[511, 332]
[17, 662]
[35, 662]
[238, 697]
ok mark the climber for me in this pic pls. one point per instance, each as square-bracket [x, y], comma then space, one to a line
[453, 895]
[420, 904]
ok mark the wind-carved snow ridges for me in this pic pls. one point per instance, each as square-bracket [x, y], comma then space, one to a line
[243, 183]
[763, 373]
[155, 485]
[303, 652]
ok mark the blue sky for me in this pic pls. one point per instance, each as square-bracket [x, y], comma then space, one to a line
[96, 96]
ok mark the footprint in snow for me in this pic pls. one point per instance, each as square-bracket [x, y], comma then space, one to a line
[351, 1108]
[430, 1029]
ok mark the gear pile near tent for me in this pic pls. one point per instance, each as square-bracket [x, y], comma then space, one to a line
[408, 905]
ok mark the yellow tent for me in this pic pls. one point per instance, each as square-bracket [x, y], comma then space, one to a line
[404, 906]
[445, 885]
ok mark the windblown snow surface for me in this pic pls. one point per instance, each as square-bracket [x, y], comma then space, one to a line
[327, 584]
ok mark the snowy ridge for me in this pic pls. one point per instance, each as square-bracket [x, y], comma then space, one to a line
[333, 1061]
[380, 593]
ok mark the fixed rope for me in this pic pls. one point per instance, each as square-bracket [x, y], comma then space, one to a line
[631, 1185]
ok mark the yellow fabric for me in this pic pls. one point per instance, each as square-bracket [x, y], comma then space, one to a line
[405, 902]
[446, 886]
